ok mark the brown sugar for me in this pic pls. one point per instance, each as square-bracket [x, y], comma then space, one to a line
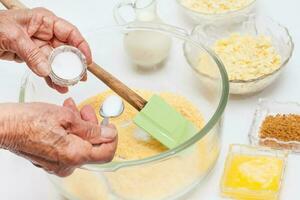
[281, 127]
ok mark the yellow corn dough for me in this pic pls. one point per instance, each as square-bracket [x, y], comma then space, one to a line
[155, 180]
[128, 141]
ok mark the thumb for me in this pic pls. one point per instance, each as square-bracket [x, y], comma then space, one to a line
[94, 133]
[36, 60]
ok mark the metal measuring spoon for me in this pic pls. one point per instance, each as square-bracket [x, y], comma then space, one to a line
[113, 106]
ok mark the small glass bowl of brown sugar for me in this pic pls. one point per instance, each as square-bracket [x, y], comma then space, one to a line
[276, 125]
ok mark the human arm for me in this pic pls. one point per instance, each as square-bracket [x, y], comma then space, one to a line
[30, 35]
[59, 139]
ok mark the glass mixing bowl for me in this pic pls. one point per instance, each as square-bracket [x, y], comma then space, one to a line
[254, 25]
[225, 18]
[172, 173]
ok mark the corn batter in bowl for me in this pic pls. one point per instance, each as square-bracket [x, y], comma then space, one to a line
[130, 136]
[133, 144]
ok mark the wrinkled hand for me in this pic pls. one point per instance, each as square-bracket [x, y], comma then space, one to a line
[30, 34]
[59, 139]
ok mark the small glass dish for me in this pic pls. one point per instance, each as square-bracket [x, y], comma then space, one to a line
[247, 173]
[255, 25]
[268, 107]
[67, 82]
[223, 18]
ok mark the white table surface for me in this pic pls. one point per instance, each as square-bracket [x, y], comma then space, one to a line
[20, 180]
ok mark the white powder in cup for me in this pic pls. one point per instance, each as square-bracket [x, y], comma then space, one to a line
[67, 65]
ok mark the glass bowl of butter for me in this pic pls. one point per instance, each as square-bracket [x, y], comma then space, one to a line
[142, 167]
[221, 12]
[253, 52]
[253, 173]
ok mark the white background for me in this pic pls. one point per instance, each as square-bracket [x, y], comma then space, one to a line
[20, 180]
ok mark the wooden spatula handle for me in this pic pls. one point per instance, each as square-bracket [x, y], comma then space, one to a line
[116, 85]
[121, 89]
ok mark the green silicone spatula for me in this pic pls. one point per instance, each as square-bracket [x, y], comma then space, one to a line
[164, 123]
[156, 116]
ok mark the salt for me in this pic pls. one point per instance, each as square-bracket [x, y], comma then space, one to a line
[112, 106]
[67, 65]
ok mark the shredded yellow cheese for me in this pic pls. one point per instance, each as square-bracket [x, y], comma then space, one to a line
[215, 6]
[245, 57]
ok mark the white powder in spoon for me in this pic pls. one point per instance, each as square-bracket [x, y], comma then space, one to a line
[112, 106]
[67, 65]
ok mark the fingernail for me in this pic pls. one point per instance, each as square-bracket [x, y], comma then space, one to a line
[43, 69]
[108, 133]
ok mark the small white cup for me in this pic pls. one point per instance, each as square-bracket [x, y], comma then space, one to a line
[60, 80]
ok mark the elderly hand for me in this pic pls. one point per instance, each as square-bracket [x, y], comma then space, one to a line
[30, 34]
[58, 139]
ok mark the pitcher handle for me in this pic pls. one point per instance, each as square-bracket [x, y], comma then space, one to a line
[118, 17]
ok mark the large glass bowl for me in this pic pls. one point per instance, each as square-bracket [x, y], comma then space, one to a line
[172, 173]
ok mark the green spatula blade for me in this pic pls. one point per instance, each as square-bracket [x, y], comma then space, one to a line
[164, 123]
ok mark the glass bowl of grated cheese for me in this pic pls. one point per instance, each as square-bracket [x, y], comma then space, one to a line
[253, 52]
[221, 12]
[142, 167]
